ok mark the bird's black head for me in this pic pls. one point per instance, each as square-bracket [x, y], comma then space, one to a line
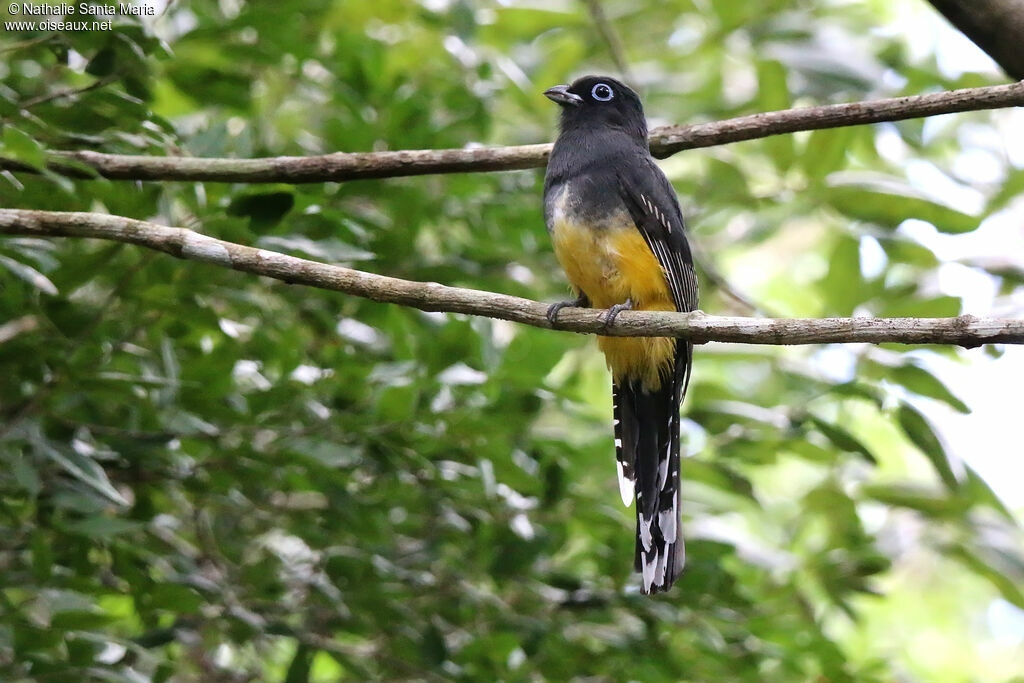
[595, 102]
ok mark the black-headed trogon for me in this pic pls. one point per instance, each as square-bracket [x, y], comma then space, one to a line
[618, 233]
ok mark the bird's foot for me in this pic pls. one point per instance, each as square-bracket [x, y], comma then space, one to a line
[580, 302]
[608, 317]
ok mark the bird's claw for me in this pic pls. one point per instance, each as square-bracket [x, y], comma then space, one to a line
[580, 302]
[608, 317]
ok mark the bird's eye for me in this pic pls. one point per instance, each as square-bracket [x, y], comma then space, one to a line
[602, 93]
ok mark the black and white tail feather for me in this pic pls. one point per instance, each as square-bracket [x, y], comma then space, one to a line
[647, 452]
[647, 420]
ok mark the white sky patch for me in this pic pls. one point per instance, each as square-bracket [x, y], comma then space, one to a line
[248, 377]
[308, 374]
[977, 289]
[977, 165]
[289, 547]
[1001, 235]
[873, 259]
[890, 144]
[520, 273]
[955, 52]
[521, 527]
[1006, 621]
[234, 329]
[988, 439]
[503, 332]
[487, 477]
[462, 52]
[928, 178]
[443, 401]
[928, 33]
[516, 658]
[112, 653]
[318, 410]
[357, 332]
[1010, 122]
[460, 373]
[515, 500]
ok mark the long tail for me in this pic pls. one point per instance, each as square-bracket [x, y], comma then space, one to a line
[647, 449]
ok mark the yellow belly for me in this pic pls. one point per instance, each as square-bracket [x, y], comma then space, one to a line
[611, 264]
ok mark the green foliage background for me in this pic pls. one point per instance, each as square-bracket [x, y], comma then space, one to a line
[209, 475]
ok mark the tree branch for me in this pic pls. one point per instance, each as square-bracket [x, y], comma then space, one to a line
[965, 330]
[665, 141]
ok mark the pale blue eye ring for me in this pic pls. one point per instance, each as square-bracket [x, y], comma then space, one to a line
[602, 92]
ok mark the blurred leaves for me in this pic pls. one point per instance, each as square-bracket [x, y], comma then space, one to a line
[263, 206]
[888, 202]
[20, 146]
[207, 475]
[922, 434]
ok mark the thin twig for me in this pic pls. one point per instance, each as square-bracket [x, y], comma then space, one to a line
[665, 141]
[25, 43]
[965, 330]
[704, 262]
[610, 36]
[68, 92]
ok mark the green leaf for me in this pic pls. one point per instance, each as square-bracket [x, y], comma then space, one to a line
[27, 476]
[773, 94]
[75, 166]
[103, 62]
[433, 647]
[977, 489]
[889, 202]
[922, 435]
[329, 250]
[920, 381]
[81, 620]
[1007, 581]
[18, 145]
[825, 152]
[842, 439]
[103, 527]
[301, 664]
[718, 476]
[727, 179]
[925, 500]
[174, 596]
[1009, 190]
[910, 307]
[211, 85]
[29, 274]
[858, 389]
[843, 285]
[42, 556]
[264, 207]
[82, 468]
[902, 250]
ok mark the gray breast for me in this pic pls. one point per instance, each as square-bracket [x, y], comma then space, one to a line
[584, 199]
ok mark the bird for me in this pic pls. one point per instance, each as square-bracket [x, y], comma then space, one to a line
[618, 233]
